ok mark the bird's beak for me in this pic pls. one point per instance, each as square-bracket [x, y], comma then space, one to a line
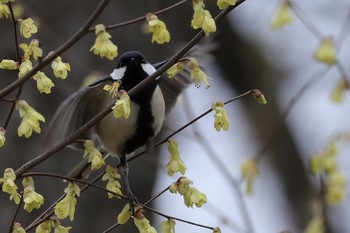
[133, 62]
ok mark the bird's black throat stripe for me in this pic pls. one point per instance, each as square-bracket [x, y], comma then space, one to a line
[145, 119]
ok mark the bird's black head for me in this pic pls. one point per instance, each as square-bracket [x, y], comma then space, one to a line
[132, 69]
[132, 59]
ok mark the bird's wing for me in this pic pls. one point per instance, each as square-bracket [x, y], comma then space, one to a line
[74, 112]
[172, 87]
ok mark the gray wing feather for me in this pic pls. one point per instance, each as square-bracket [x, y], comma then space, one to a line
[73, 113]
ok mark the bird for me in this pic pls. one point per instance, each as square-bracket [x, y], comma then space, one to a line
[121, 137]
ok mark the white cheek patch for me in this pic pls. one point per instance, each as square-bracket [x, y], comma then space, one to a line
[148, 68]
[118, 73]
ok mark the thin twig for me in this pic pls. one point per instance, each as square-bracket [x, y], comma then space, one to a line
[14, 22]
[142, 18]
[51, 56]
[215, 159]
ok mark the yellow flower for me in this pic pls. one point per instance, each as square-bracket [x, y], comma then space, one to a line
[43, 83]
[9, 186]
[32, 49]
[221, 119]
[175, 163]
[315, 225]
[158, 28]
[30, 119]
[216, 230]
[4, 11]
[8, 65]
[168, 226]
[222, 4]
[27, 27]
[113, 184]
[175, 69]
[17, 228]
[2, 137]
[249, 170]
[122, 106]
[326, 52]
[190, 194]
[283, 15]
[60, 69]
[259, 96]
[144, 226]
[32, 199]
[124, 215]
[62, 229]
[202, 18]
[336, 187]
[24, 68]
[338, 92]
[325, 161]
[6, 1]
[194, 197]
[44, 227]
[66, 207]
[103, 46]
[197, 74]
[113, 89]
[95, 156]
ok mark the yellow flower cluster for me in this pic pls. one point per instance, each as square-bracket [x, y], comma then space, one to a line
[202, 18]
[249, 170]
[94, 155]
[47, 225]
[175, 69]
[2, 137]
[113, 185]
[32, 200]
[27, 27]
[160, 34]
[122, 106]
[190, 194]
[66, 207]
[60, 68]
[103, 46]
[175, 163]
[124, 215]
[24, 68]
[33, 49]
[168, 226]
[282, 16]
[9, 186]
[197, 74]
[338, 93]
[222, 4]
[112, 89]
[6, 64]
[326, 162]
[326, 52]
[221, 119]
[142, 223]
[17, 228]
[43, 83]
[4, 11]
[30, 119]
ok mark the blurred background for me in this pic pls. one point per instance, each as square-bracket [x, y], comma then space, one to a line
[249, 55]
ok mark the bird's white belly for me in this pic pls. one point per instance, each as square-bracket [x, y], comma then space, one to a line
[113, 132]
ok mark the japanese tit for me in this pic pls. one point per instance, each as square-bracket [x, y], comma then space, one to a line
[149, 107]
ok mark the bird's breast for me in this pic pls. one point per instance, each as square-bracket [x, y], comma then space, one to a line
[122, 135]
